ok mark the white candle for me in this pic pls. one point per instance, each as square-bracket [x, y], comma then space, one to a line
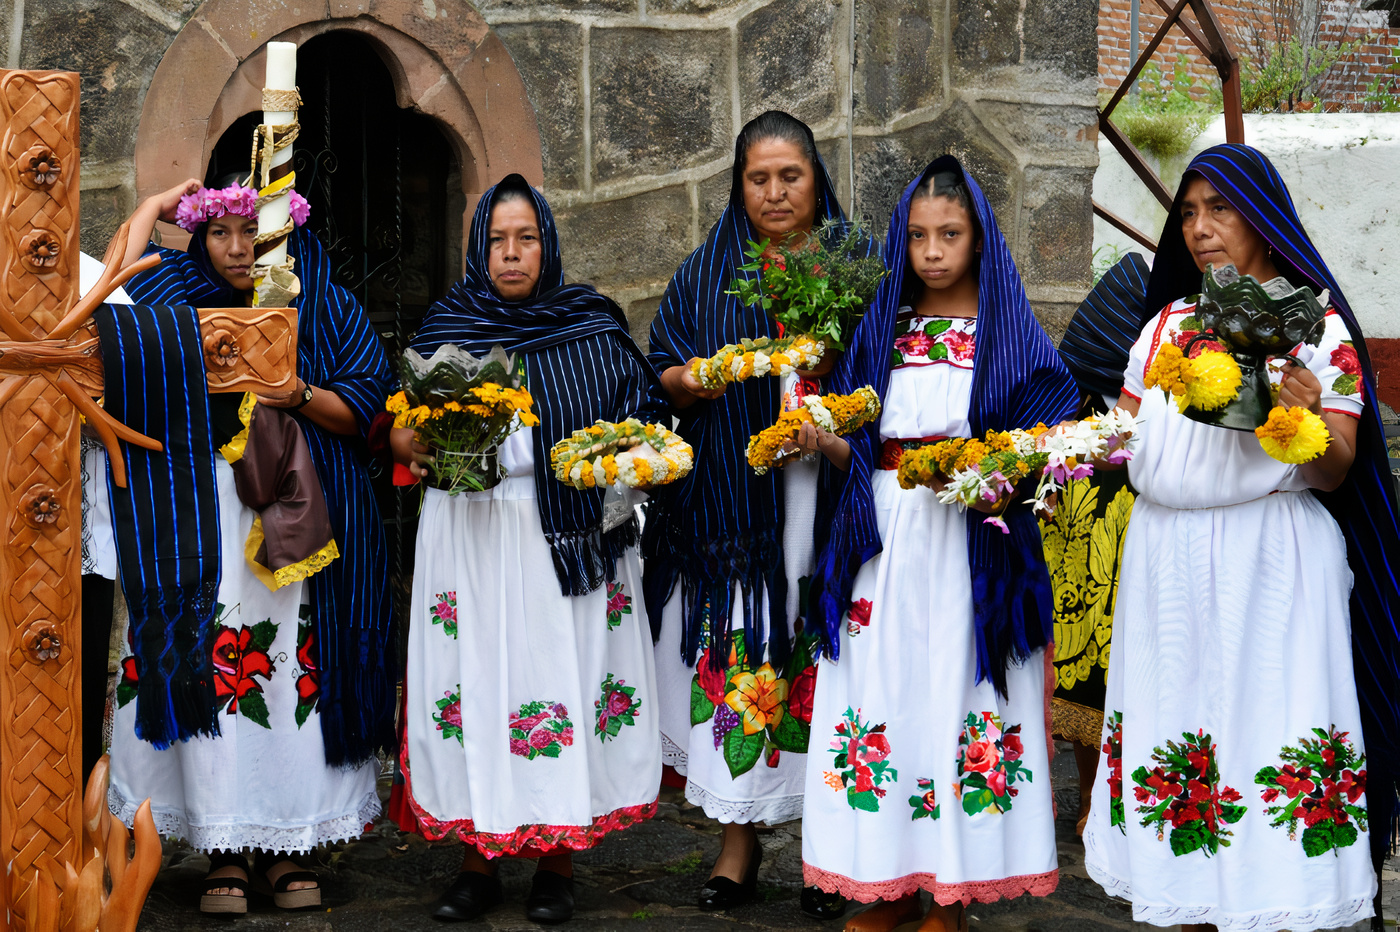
[281, 76]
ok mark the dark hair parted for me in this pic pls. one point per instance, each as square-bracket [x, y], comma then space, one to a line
[512, 187]
[772, 124]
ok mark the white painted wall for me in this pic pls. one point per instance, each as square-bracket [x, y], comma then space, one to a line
[1343, 170]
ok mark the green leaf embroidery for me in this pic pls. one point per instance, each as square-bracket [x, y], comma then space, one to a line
[741, 752]
[701, 708]
[938, 351]
[264, 633]
[1345, 384]
[791, 734]
[934, 327]
[254, 708]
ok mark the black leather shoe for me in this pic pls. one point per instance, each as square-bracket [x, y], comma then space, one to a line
[551, 898]
[723, 893]
[819, 904]
[470, 895]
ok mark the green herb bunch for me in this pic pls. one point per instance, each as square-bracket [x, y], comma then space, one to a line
[821, 287]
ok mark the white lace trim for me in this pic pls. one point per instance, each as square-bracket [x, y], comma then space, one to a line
[297, 839]
[673, 755]
[772, 810]
[1342, 915]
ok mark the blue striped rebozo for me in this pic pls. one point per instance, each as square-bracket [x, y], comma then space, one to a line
[580, 365]
[337, 350]
[1365, 505]
[1105, 327]
[723, 524]
[1018, 381]
[167, 516]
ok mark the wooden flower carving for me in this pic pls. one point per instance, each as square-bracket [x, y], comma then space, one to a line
[220, 348]
[42, 642]
[40, 506]
[40, 249]
[39, 167]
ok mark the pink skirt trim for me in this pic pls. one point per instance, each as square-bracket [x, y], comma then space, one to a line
[972, 891]
[531, 841]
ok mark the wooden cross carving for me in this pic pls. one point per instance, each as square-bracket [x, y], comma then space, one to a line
[50, 371]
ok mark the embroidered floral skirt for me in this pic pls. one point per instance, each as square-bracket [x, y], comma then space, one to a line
[739, 736]
[531, 715]
[263, 782]
[919, 777]
[1231, 788]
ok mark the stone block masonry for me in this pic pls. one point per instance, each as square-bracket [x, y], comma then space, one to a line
[639, 104]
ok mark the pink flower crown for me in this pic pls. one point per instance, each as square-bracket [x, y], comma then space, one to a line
[210, 203]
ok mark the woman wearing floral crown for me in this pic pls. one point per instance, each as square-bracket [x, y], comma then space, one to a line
[532, 723]
[1249, 763]
[302, 651]
[929, 762]
[729, 551]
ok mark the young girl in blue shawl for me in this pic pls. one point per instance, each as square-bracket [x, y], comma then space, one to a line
[929, 764]
[729, 552]
[1250, 719]
[532, 721]
[303, 674]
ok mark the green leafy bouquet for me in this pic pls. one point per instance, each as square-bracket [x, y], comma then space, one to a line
[821, 287]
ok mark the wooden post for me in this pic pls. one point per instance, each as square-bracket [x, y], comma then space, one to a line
[49, 372]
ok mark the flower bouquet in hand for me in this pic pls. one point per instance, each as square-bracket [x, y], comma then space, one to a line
[816, 291]
[637, 455]
[968, 471]
[462, 407]
[839, 414]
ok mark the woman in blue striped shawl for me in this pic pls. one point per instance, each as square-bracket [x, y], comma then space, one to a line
[1250, 735]
[729, 552]
[929, 766]
[531, 707]
[304, 674]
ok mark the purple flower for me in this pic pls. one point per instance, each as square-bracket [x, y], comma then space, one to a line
[301, 211]
[238, 200]
[559, 710]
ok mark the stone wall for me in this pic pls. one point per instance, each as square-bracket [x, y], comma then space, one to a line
[638, 103]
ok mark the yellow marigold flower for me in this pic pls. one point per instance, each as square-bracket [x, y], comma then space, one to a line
[481, 411]
[528, 419]
[999, 442]
[610, 469]
[973, 452]
[1168, 370]
[397, 403]
[453, 406]
[1212, 380]
[1293, 435]
[758, 697]
[643, 468]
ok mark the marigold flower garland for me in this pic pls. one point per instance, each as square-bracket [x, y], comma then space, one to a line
[840, 414]
[755, 358]
[976, 470]
[630, 452]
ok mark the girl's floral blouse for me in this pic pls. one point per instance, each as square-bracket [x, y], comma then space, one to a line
[927, 341]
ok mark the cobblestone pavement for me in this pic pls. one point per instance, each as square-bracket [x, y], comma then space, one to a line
[639, 880]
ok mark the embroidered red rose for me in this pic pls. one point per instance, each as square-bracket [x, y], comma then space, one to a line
[715, 683]
[961, 346]
[980, 757]
[452, 713]
[996, 782]
[1011, 747]
[236, 662]
[1344, 357]
[877, 748]
[860, 611]
[801, 694]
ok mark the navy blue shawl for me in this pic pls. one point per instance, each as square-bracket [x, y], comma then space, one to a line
[723, 523]
[337, 350]
[580, 365]
[1365, 505]
[167, 516]
[1018, 380]
[1105, 327]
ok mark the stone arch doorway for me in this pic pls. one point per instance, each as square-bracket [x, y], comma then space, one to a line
[443, 60]
[384, 184]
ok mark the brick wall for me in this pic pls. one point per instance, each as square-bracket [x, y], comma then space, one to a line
[1343, 88]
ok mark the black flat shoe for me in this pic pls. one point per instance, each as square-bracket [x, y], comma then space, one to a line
[470, 895]
[723, 893]
[819, 904]
[551, 898]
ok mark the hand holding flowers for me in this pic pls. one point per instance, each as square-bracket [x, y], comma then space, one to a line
[836, 414]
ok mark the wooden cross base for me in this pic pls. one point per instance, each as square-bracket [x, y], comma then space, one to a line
[50, 370]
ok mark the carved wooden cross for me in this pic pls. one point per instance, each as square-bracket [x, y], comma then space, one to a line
[50, 370]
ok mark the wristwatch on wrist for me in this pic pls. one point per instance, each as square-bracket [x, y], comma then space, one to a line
[305, 398]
